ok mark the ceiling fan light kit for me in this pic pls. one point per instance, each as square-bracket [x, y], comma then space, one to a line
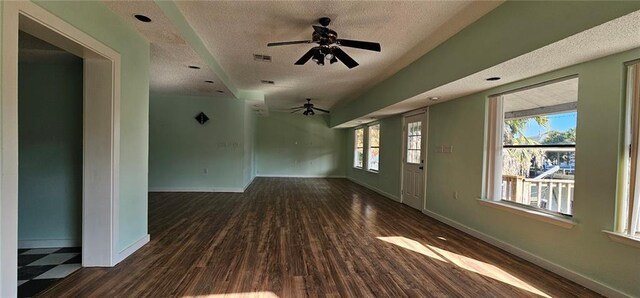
[328, 47]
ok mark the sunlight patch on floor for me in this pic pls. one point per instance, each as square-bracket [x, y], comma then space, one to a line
[413, 246]
[464, 262]
[238, 295]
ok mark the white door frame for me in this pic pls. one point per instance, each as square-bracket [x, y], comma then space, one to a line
[425, 143]
[101, 135]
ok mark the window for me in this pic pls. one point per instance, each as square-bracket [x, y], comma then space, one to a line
[373, 154]
[532, 139]
[414, 142]
[358, 157]
[630, 217]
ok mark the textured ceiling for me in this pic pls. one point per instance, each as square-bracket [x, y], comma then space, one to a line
[556, 93]
[612, 37]
[170, 54]
[235, 30]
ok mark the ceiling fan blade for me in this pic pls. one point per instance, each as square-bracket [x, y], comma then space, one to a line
[300, 107]
[284, 43]
[320, 30]
[306, 57]
[321, 110]
[346, 59]
[295, 111]
[358, 44]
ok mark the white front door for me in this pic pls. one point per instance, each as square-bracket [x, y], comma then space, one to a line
[413, 160]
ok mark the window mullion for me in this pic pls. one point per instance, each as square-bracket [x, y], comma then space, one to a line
[634, 181]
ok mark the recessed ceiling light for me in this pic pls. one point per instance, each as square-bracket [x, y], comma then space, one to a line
[220, 91]
[493, 78]
[434, 98]
[142, 18]
[194, 67]
[209, 81]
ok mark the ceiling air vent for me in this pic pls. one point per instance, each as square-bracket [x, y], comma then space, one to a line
[263, 58]
[267, 82]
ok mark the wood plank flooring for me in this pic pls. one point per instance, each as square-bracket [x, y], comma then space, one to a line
[308, 237]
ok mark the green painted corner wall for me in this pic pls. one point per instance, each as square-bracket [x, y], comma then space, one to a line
[102, 24]
[50, 148]
[584, 249]
[185, 155]
[250, 119]
[300, 146]
[386, 180]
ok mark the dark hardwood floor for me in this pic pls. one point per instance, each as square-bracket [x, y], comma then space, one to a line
[309, 237]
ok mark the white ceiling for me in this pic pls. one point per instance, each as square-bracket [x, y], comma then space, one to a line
[170, 54]
[235, 30]
[612, 37]
[553, 94]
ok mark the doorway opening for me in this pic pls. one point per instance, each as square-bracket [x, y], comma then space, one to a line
[49, 165]
[414, 159]
[91, 148]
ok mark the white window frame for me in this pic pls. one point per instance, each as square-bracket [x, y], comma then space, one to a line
[629, 217]
[492, 195]
[368, 138]
[355, 147]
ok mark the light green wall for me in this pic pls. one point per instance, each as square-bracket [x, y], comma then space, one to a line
[102, 24]
[584, 248]
[249, 144]
[2, 253]
[297, 145]
[493, 39]
[387, 179]
[181, 149]
[50, 148]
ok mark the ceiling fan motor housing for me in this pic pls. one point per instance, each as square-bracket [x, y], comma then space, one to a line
[328, 47]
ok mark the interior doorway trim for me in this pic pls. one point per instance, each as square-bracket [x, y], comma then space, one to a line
[100, 137]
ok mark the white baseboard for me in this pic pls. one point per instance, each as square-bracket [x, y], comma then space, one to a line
[379, 191]
[555, 268]
[196, 189]
[48, 243]
[132, 248]
[248, 183]
[299, 176]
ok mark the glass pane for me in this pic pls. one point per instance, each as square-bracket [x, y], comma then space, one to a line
[374, 158]
[374, 136]
[414, 128]
[359, 157]
[558, 129]
[414, 141]
[359, 138]
[413, 156]
[542, 174]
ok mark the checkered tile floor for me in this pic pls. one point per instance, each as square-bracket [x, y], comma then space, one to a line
[41, 267]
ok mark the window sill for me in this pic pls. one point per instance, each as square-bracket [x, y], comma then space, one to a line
[623, 238]
[560, 221]
[372, 171]
[357, 168]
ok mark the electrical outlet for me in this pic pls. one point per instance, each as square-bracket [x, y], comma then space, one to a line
[455, 195]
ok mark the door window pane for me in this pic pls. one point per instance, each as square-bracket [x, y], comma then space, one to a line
[414, 142]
